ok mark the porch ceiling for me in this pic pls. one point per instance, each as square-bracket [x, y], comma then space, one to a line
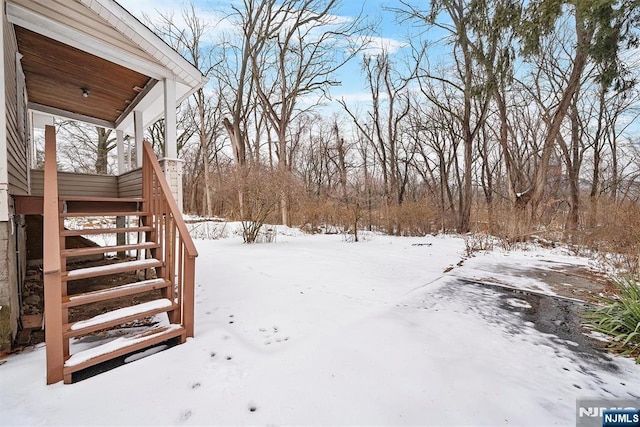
[56, 74]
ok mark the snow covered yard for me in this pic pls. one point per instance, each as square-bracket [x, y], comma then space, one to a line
[314, 330]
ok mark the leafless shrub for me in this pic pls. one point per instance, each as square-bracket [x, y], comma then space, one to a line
[477, 242]
[208, 230]
[261, 192]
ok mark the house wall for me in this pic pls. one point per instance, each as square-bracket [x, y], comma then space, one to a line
[17, 144]
[13, 180]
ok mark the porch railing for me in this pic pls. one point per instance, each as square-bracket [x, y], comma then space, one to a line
[177, 251]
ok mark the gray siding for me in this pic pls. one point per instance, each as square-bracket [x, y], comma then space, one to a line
[130, 184]
[75, 184]
[17, 146]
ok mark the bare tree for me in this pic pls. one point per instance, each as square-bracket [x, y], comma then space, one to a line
[600, 30]
[298, 46]
[454, 17]
[383, 125]
[86, 147]
[192, 42]
[186, 129]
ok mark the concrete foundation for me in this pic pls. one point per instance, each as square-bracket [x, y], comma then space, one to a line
[9, 303]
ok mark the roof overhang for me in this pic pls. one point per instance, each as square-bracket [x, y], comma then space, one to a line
[120, 67]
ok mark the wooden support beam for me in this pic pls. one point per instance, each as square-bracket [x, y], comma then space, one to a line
[51, 263]
[28, 205]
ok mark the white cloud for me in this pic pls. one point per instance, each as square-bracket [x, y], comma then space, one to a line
[376, 45]
[153, 9]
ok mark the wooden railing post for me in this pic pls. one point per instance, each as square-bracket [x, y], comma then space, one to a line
[51, 263]
[188, 296]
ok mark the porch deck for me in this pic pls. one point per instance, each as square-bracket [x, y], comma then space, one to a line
[70, 184]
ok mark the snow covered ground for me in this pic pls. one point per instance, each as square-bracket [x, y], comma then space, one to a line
[315, 330]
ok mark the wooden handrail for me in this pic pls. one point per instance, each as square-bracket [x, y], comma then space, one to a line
[178, 251]
[150, 156]
[51, 262]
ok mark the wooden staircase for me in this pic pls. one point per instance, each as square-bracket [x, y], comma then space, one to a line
[165, 255]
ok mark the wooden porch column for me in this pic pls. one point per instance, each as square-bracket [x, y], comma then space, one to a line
[171, 165]
[139, 135]
[170, 132]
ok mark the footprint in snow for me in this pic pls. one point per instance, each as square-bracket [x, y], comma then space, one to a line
[185, 415]
[268, 335]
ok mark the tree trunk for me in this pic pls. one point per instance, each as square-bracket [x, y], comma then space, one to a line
[597, 153]
[239, 153]
[282, 167]
[204, 146]
[102, 150]
[584, 37]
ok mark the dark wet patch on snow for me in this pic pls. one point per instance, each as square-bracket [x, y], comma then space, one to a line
[558, 317]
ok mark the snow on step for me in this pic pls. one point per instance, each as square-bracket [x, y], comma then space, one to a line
[117, 344]
[122, 313]
[102, 270]
[120, 289]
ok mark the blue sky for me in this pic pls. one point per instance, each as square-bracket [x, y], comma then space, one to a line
[389, 33]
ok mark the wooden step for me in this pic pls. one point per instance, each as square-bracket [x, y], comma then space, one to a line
[115, 292]
[125, 212]
[117, 317]
[68, 253]
[101, 199]
[94, 206]
[105, 270]
[120, 347]
[92, 231]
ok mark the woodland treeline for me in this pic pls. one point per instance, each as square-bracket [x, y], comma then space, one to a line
[496, 117]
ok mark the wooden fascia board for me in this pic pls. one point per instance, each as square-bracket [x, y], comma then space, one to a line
[113, 13]
[153, 99]
[25, 18]
[71, 115]
[136, 102]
